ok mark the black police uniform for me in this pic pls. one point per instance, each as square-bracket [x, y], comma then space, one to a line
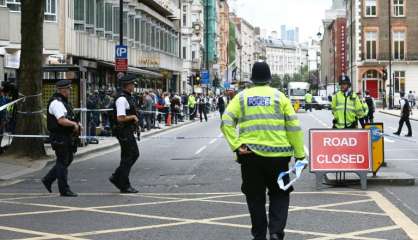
[129, 147]
[63, 142]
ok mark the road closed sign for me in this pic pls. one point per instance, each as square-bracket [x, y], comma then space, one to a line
[340, 150]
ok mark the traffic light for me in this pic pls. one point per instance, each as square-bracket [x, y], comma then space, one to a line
[197, 79]
[385, 74]
[189, 80]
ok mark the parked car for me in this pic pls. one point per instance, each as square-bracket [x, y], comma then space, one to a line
[320, 103]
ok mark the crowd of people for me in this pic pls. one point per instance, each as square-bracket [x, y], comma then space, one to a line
[155, 108]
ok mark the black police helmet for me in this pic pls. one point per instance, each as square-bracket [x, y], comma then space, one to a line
[345, 80]
[261, 73]
[127, 79]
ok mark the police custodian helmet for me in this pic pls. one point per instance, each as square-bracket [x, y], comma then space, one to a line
[345, 80]
[261, 73]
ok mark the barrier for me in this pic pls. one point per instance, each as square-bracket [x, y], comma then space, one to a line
[340, 151]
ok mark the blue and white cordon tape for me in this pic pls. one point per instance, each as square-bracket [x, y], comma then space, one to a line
[297, 169]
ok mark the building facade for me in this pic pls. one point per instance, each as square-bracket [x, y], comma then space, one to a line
[192, 42]
[84, 33]
[284, 57]
[384, 46]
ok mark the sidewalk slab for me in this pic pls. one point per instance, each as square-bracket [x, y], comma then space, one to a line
[383, 178]
[11, 169]
[397, 113]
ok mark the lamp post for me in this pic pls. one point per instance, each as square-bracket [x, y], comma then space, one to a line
[390, 57]
[307, 62]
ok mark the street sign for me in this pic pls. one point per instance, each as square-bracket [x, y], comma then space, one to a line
[121, 58]
[204, 75]
[340, 150]
[378, 145]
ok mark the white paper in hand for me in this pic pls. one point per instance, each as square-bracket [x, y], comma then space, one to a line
[297, 169]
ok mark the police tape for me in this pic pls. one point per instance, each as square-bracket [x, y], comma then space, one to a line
[297, 169]
[113, 137]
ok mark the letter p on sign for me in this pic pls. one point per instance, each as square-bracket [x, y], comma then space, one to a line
[121, 52]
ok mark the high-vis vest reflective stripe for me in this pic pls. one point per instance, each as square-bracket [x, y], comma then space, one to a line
[346, 109]
[267, 123]
[308, 98]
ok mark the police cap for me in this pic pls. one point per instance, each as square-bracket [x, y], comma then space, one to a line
[261, 73]
[345, 80]
[63, 84]
[129, 78]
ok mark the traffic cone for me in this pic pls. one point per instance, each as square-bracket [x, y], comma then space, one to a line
[169, 119]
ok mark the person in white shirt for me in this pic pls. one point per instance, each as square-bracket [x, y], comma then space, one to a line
[62, 128]
[126, 124]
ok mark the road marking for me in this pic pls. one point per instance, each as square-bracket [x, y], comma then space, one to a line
[213, 141]
[389, 140]
[402, 160]
[200, 150]
[319, 120]
[401, 149]
[44, 234]
[396, 215]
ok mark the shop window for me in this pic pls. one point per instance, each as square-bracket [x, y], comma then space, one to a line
[13, 5]
[399, 78]
[50, 10]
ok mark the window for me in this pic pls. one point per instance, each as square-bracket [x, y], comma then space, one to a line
[2, 3]
[148, 33]
[100, 15]
[399, 45]
[371, 45]
[162, 39]
[399, 81]
[184, 52]
[193, 55]
[79, 14]
[115, 20]
[90, 13]
[157, 38]
[50, 10]
[125, 24]
[184, 19]
[108, 19]
[371, 8]
[143, 32]
[399, 8]
[153, 42]
[13, 5]
[137, 30]
[131, 26]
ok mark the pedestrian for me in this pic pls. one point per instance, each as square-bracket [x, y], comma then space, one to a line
[125, 120]
[405, 114]
[175, 108]
[308, 101]
[363, 119]
[221, 104]
[411, 99]
[202, 106]
[371, 108]
[346, 106]
[269, 135]
[192, 106]
[167, 105]
[3, 116]
[63, 131]
[148, 112]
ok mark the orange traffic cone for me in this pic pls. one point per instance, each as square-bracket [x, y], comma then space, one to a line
[168, 120]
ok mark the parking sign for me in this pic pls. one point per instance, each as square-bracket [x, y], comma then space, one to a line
[121, 58]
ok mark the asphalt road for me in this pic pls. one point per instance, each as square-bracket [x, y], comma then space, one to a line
[190, 189]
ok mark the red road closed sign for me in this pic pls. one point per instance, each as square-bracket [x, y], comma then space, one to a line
[340, 150]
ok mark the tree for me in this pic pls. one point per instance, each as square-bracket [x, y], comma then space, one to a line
[29, 117]
[276, 82]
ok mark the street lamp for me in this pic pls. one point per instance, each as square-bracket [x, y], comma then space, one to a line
[307, 62]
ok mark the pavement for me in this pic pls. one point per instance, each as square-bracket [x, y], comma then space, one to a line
[397, 113]
[190, 189]
[11, 169]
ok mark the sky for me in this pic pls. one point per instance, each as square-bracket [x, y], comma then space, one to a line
[271, 14]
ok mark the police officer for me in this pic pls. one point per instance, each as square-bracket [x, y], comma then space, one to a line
[363, 120]
[269, 135]
[346, 106]
[62, 128]
[192, 106]
[126, 122]
[308, 101]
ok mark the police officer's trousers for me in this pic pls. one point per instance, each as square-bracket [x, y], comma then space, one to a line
[129, 155]
[64, 152]
[258, 175]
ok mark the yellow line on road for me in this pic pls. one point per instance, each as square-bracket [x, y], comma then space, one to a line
[396, 215]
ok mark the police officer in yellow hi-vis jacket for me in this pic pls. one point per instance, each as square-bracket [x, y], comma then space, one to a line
[346, 106]
[269, 135]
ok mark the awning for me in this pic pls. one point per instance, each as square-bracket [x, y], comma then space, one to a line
[136, 70]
